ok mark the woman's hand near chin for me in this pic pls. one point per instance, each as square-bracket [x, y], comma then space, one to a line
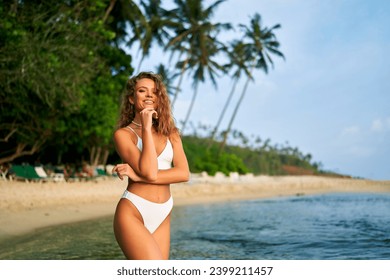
[147, 116]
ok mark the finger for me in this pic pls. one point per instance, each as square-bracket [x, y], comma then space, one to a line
[153, 112]
[148, 111]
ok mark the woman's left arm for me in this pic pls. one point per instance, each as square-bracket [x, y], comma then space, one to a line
[180, 172]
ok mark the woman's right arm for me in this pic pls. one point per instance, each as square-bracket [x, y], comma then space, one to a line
[178, 173]
[131, 155]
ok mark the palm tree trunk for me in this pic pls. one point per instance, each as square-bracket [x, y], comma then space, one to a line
[222, 146]
[92, 154]
[104, 159]
[190, 108]
[139, 64]
[109, 9]
[179, 83]
[222, 113]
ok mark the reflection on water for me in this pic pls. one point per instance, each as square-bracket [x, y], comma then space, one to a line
[336, 226]
[90, 240]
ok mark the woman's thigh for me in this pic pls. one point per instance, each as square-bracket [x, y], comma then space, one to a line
[134, 239]
[162, 235]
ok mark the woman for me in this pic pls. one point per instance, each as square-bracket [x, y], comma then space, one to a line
[150, 146]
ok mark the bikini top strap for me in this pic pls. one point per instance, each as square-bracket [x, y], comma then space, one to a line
[133, 131]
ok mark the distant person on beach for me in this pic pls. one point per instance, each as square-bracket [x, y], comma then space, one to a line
[150, 146]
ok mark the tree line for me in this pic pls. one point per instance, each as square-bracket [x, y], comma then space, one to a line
[247, 154]
[64, 66]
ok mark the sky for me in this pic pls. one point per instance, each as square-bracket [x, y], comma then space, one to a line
[330, 97]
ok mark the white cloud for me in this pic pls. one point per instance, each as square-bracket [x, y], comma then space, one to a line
[377, 125]
[351, 130]
[359, 151]
[380, 125]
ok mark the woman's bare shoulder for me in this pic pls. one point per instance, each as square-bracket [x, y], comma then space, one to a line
[121, 131]
[175, 137]
[124, 133]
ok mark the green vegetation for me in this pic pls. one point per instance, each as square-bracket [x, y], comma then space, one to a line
[246, 156]
[61, 76]
[63, 68]
[200, 158]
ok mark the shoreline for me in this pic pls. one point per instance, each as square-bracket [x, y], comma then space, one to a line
[26, 207]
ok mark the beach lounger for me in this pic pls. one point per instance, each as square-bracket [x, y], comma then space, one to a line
[100, 173]
[4, 174]
[41, 172]
[57, 177]
[28, 173]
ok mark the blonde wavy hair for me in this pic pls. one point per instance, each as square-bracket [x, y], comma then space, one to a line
[165, 123]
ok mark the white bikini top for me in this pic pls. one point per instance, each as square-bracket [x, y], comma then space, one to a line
[164, 160]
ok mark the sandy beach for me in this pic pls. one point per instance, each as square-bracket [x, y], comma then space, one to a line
[25, 207]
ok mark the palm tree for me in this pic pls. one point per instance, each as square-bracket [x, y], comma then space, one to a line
[167, 76]
[153, 28]
[123, 13]
[238, 56]
[201, 62]
[262, 43]
[195, 38]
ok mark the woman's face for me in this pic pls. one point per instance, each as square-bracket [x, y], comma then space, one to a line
[145, 95]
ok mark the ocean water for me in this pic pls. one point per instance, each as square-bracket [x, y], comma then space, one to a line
[320, 227]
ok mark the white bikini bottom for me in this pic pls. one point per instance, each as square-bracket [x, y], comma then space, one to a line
[152, 213]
